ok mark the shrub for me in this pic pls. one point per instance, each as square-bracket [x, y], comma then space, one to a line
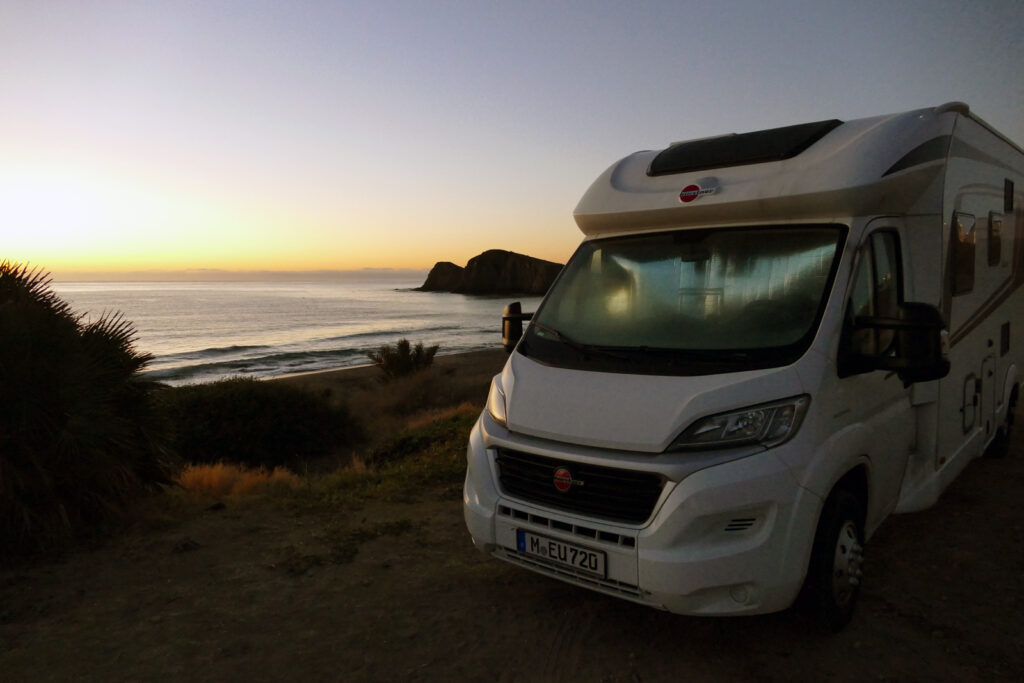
[258, 424]
[427, 459]
[402, 359]
[81, 433]
[446, 433]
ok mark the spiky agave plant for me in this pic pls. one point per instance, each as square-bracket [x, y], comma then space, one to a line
[80, 431]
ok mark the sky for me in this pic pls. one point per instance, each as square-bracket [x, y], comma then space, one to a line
[237, 135]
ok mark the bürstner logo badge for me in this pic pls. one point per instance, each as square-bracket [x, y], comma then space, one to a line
[691, 192]
[563, 479]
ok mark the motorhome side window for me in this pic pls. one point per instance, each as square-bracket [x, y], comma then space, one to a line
[875, 293]
[964, 238]
[995, 241]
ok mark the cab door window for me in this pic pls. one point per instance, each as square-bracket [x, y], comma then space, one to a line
[876, 293]
[884, 247]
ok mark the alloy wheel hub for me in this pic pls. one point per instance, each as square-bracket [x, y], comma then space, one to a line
[846, 565]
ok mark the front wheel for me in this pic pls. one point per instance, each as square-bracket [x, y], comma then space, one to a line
[1000, 446]
[834, 576]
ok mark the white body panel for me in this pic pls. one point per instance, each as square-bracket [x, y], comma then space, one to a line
[731, 530]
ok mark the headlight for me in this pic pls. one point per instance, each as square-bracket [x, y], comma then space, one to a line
[768, 424]
[496, 402]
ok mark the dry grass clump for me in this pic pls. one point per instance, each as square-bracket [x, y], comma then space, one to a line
[224, 479]
[424, 419]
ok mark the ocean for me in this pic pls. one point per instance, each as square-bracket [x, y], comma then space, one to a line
[205, 331]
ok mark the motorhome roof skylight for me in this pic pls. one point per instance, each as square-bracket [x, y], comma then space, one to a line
[760, 146]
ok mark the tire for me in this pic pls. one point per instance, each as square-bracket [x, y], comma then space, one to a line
[834, 575]
[1000, 446]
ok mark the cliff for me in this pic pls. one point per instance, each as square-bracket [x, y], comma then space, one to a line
[494, 272]
[445, 276]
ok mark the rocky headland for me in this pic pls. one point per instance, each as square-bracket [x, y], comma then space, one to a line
[493, 272]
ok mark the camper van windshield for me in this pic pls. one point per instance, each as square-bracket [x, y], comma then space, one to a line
[688, 302]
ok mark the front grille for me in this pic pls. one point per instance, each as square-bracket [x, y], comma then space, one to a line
[602, 492]
[589, 534]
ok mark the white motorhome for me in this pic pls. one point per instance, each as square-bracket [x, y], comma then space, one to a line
[765, 345]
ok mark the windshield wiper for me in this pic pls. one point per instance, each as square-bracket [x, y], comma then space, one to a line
[579, 347]
[681, 357]
[695, 355]
[647, 355]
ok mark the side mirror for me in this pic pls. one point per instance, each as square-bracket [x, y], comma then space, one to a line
[512, 325]
[918, 353]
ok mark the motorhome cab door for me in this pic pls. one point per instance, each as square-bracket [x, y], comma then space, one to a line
[876, 400]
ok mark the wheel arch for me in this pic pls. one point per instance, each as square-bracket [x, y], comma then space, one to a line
[818, 593]
[844, 461]
[855, 482]
[1011, 391]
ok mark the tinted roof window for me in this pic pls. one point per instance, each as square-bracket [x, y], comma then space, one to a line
[760, 146]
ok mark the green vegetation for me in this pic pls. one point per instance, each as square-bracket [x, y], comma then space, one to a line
[258, 424]
[402, 359]
[81, 434]
[421, 460]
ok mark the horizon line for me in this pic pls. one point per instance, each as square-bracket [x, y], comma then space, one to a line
[226, 275]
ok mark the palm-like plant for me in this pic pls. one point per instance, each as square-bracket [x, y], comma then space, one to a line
[80, 431]
[403, 358]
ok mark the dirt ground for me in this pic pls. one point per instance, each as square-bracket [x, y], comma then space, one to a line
[245, 591]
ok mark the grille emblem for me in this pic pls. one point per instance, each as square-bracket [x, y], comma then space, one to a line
[563, 480]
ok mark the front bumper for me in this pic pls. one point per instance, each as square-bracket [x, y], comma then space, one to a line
[733, 538]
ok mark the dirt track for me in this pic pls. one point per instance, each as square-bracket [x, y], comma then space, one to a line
[250, 593]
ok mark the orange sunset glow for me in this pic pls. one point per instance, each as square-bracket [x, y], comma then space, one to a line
[337, 137]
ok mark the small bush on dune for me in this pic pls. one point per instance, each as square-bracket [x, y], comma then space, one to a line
[258, 424]
[402, 359]
[81, 434]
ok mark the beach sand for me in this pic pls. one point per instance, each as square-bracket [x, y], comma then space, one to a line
[482, 364]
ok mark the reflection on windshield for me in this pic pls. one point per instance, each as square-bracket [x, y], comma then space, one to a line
[695, 290]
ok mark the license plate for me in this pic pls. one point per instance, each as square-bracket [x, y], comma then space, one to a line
[561, 553]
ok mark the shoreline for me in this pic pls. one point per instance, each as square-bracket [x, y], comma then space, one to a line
[482, 362]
